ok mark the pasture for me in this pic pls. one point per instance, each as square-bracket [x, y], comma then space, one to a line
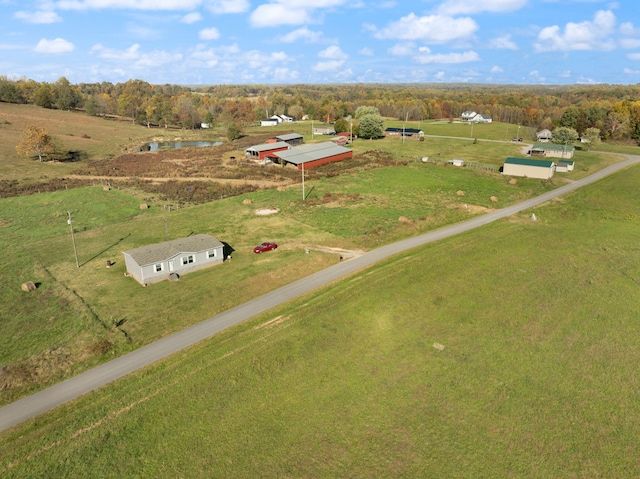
[509, 351]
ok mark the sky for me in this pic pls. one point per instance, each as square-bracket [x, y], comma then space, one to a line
[208, 42]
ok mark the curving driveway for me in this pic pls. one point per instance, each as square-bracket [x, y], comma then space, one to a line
[30, 406]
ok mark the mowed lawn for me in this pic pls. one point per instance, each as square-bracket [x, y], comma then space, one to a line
[508, 351]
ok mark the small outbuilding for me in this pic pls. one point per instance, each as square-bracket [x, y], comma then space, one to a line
[408, 133]
[269, 122]
[262, 152]
[564, 166]
[292, 139]
[159, 262]
[314, 154]
[529, 168]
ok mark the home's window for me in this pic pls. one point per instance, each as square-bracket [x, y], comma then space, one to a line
[187, 259]
[158, 267]
[211, 253]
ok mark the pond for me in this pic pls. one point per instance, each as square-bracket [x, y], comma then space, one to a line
[161, 145]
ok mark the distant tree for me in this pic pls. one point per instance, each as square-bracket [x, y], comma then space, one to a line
[366, 110]
[341, 125]
[296, 111]
[35, 141]
[570, 118]
[371, 126]
[592, 135]
[44, 96]
[233, 131]
[66, 96]
[564, 136]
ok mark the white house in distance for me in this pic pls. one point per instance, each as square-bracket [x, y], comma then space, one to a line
[529, 168]
[276, 120]
[154, 263]
[473, 117]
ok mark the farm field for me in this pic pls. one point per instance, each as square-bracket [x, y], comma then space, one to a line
[509, 351]
[80, 316]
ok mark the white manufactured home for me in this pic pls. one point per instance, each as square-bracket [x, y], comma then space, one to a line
[159, 262]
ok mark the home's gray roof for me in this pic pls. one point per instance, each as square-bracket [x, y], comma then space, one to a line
[311, 152]
[529, 162]
[156, 253]
[289, 136]
[269, 146]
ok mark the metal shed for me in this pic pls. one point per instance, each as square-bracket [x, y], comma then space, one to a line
[527, 167]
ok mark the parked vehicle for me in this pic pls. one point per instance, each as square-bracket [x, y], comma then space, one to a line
[266, 246]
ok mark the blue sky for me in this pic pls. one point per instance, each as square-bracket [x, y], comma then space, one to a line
[321, 41]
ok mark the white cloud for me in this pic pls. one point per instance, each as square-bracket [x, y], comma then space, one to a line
[366, 52]
[58, 45]
[301, 34]
[40, 17]
[209, 34]
[627, 28]
[333, 52]
[128, 4]
[496, 69]
[271, 15]
[136, 58]
[131, 53]
[190, 18]
[402, 50]
[430, 29]
[634, 56]
[503, 43]
[290, 12]
[579, 36]
[629, 71]
[459, 7]
[228, 6]
[425, 56]
[328, 65]
[630, 43]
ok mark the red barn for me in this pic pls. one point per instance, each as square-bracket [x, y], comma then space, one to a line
[261, 152]
[314, 155]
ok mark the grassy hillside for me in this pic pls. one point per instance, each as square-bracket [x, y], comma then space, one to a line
[509, 351]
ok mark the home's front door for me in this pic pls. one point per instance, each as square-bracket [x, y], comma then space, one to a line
[171, 266]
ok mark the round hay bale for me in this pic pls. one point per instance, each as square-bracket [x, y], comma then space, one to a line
[404, 220]
[247, 202]
[281, 188]
[28, 286]
[494, 199]
[106, 188]
[460, 193]
[513, 181]
[144, 206]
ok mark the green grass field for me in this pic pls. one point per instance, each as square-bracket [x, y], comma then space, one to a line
[509, 351]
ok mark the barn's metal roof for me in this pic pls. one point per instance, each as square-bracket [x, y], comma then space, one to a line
[289, 136]
[156, 253]
[529, 162]
[269, 146]
[311, 152]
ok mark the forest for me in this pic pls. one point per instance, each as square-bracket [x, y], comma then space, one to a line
[613, 109]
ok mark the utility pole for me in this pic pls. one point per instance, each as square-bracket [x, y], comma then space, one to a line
[73, 239]
[302, 181]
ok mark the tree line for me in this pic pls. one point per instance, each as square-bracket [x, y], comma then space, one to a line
[612, 109]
